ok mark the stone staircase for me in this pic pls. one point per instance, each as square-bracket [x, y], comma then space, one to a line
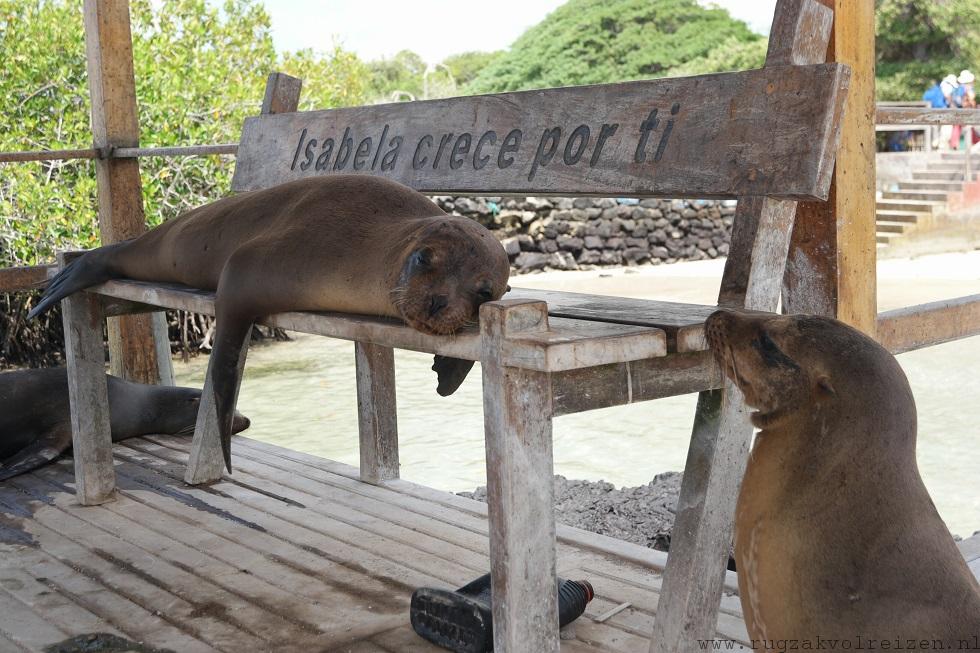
[913, 203]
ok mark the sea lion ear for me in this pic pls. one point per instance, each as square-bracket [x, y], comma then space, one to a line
[451, 372]
[825, 387]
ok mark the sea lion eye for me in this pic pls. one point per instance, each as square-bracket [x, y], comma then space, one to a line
[422, 258]
[485, 294]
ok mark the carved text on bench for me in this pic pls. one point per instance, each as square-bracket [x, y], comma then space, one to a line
[442, 151]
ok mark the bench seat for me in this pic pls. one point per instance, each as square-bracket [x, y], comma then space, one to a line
[578, 335]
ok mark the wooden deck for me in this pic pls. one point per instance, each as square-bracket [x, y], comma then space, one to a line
[292, 553]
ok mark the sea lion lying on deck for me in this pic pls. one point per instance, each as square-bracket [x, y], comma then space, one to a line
[836, 537]
[349, 243]
[35, 419]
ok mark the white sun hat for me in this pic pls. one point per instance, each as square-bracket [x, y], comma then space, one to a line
[966, 77]
[951, 80]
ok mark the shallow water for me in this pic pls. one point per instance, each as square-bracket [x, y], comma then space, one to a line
[300, 395]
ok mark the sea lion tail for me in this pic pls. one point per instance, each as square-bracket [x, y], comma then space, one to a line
[85, 271]
[451, 372]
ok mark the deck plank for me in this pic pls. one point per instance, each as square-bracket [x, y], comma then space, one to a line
[431, 502]
[291, 553]
[57, 609]
[388, 539]
[126, 616]
[259, 578]
[24, 626]
[139, 575]
[729, 625]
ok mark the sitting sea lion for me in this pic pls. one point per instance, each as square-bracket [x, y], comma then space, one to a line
[35, 418]
[836, 537]
[348, 243]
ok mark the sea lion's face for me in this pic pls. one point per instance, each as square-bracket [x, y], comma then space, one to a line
[175, 412]
[774, 361]
[451, 268]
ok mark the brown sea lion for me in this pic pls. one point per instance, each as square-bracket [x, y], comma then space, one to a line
[836, 537]
[35, 419]
[348, 243]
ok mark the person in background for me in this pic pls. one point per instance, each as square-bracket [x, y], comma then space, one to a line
[948, 88]
[964, 97]
[935, 97]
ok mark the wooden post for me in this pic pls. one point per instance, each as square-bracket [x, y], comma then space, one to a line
[88, 395]
[281, 93]
[377, 416]
[831, 267]
[520, 485]
[688, 607]
[133, 353]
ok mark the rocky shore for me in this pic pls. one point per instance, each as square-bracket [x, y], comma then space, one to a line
[570, 234]
[642, 515]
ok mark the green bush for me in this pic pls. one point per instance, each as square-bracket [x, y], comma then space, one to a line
[200, 70]
[921, 41]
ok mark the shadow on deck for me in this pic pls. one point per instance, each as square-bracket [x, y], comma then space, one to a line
[292, 553]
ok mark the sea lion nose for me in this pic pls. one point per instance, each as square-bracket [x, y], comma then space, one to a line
[437, 303]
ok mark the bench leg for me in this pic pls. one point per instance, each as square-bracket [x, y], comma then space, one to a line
[95, 478]
[520, 488]
[377, 417]
[165, 368]
[206, 462]
[702, 536]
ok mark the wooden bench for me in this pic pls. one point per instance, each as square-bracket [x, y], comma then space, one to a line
[767, 137]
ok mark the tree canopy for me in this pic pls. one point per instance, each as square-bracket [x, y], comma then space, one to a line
[200, 70]
[595, 41]
[921, 41]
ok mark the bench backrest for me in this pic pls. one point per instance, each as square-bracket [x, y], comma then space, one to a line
[770, 132]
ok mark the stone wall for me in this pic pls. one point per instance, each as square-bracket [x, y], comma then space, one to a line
[570, 234]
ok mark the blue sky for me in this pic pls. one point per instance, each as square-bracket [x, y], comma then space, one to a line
[433, 28]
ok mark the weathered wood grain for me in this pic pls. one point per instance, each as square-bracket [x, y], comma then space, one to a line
[564, 346]
[88, 396]
[520, 488]
[671, 317]
[49, 155]
[109, 49]
[377, 416]
[831, 265]
[885, 115]
[799, 34]
[281, 93]
[915, 327]
[705, 136]
[30, 277]
[756, 263]
[174, 151]
[575, 391]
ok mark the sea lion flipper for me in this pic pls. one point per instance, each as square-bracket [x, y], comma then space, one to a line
[38, 453]
[451, 372]
[230, 336]
[87, 270]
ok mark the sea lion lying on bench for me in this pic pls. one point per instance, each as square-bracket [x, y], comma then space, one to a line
[35, 418]
[348, 243]
[836, 537]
